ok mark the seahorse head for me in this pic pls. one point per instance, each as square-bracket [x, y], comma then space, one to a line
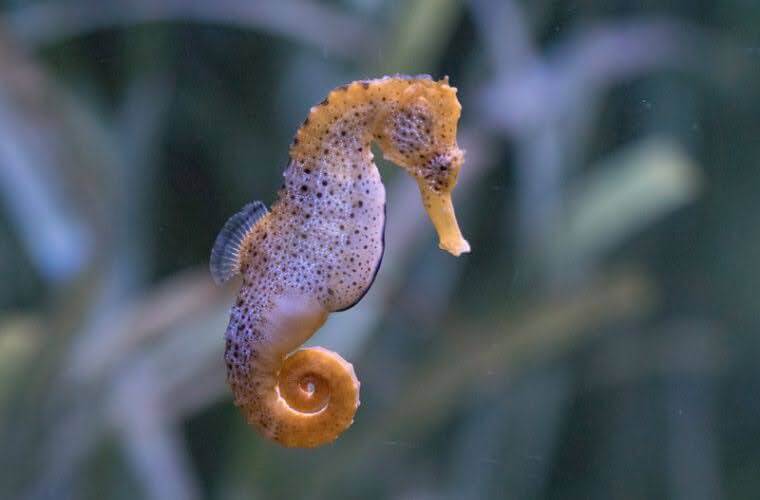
[418, 133]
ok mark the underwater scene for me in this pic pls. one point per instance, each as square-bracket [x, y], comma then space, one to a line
[379, 249]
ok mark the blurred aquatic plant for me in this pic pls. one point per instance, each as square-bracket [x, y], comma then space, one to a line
[628, 193]
[39, 166]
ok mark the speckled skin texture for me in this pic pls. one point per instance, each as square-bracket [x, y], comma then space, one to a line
[317, 251]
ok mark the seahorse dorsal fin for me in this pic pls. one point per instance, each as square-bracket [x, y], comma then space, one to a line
[225, 256]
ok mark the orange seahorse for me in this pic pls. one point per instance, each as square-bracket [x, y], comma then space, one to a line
[317, 251]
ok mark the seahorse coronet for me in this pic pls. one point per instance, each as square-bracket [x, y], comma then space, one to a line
[318, 249]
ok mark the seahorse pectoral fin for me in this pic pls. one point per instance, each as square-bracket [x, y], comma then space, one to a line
[225, 255]
[441, 212]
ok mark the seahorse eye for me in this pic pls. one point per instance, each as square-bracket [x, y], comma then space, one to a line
[441, 162]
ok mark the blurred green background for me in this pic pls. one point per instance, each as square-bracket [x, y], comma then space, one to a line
[600, 342]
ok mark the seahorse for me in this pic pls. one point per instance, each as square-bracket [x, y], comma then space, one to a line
[319, 248]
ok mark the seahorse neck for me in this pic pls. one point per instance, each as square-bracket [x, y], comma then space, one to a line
[342, 127]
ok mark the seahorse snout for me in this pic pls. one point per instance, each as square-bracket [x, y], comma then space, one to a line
[440, 209]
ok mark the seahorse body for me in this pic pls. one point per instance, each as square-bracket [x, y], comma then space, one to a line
[317, 251]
